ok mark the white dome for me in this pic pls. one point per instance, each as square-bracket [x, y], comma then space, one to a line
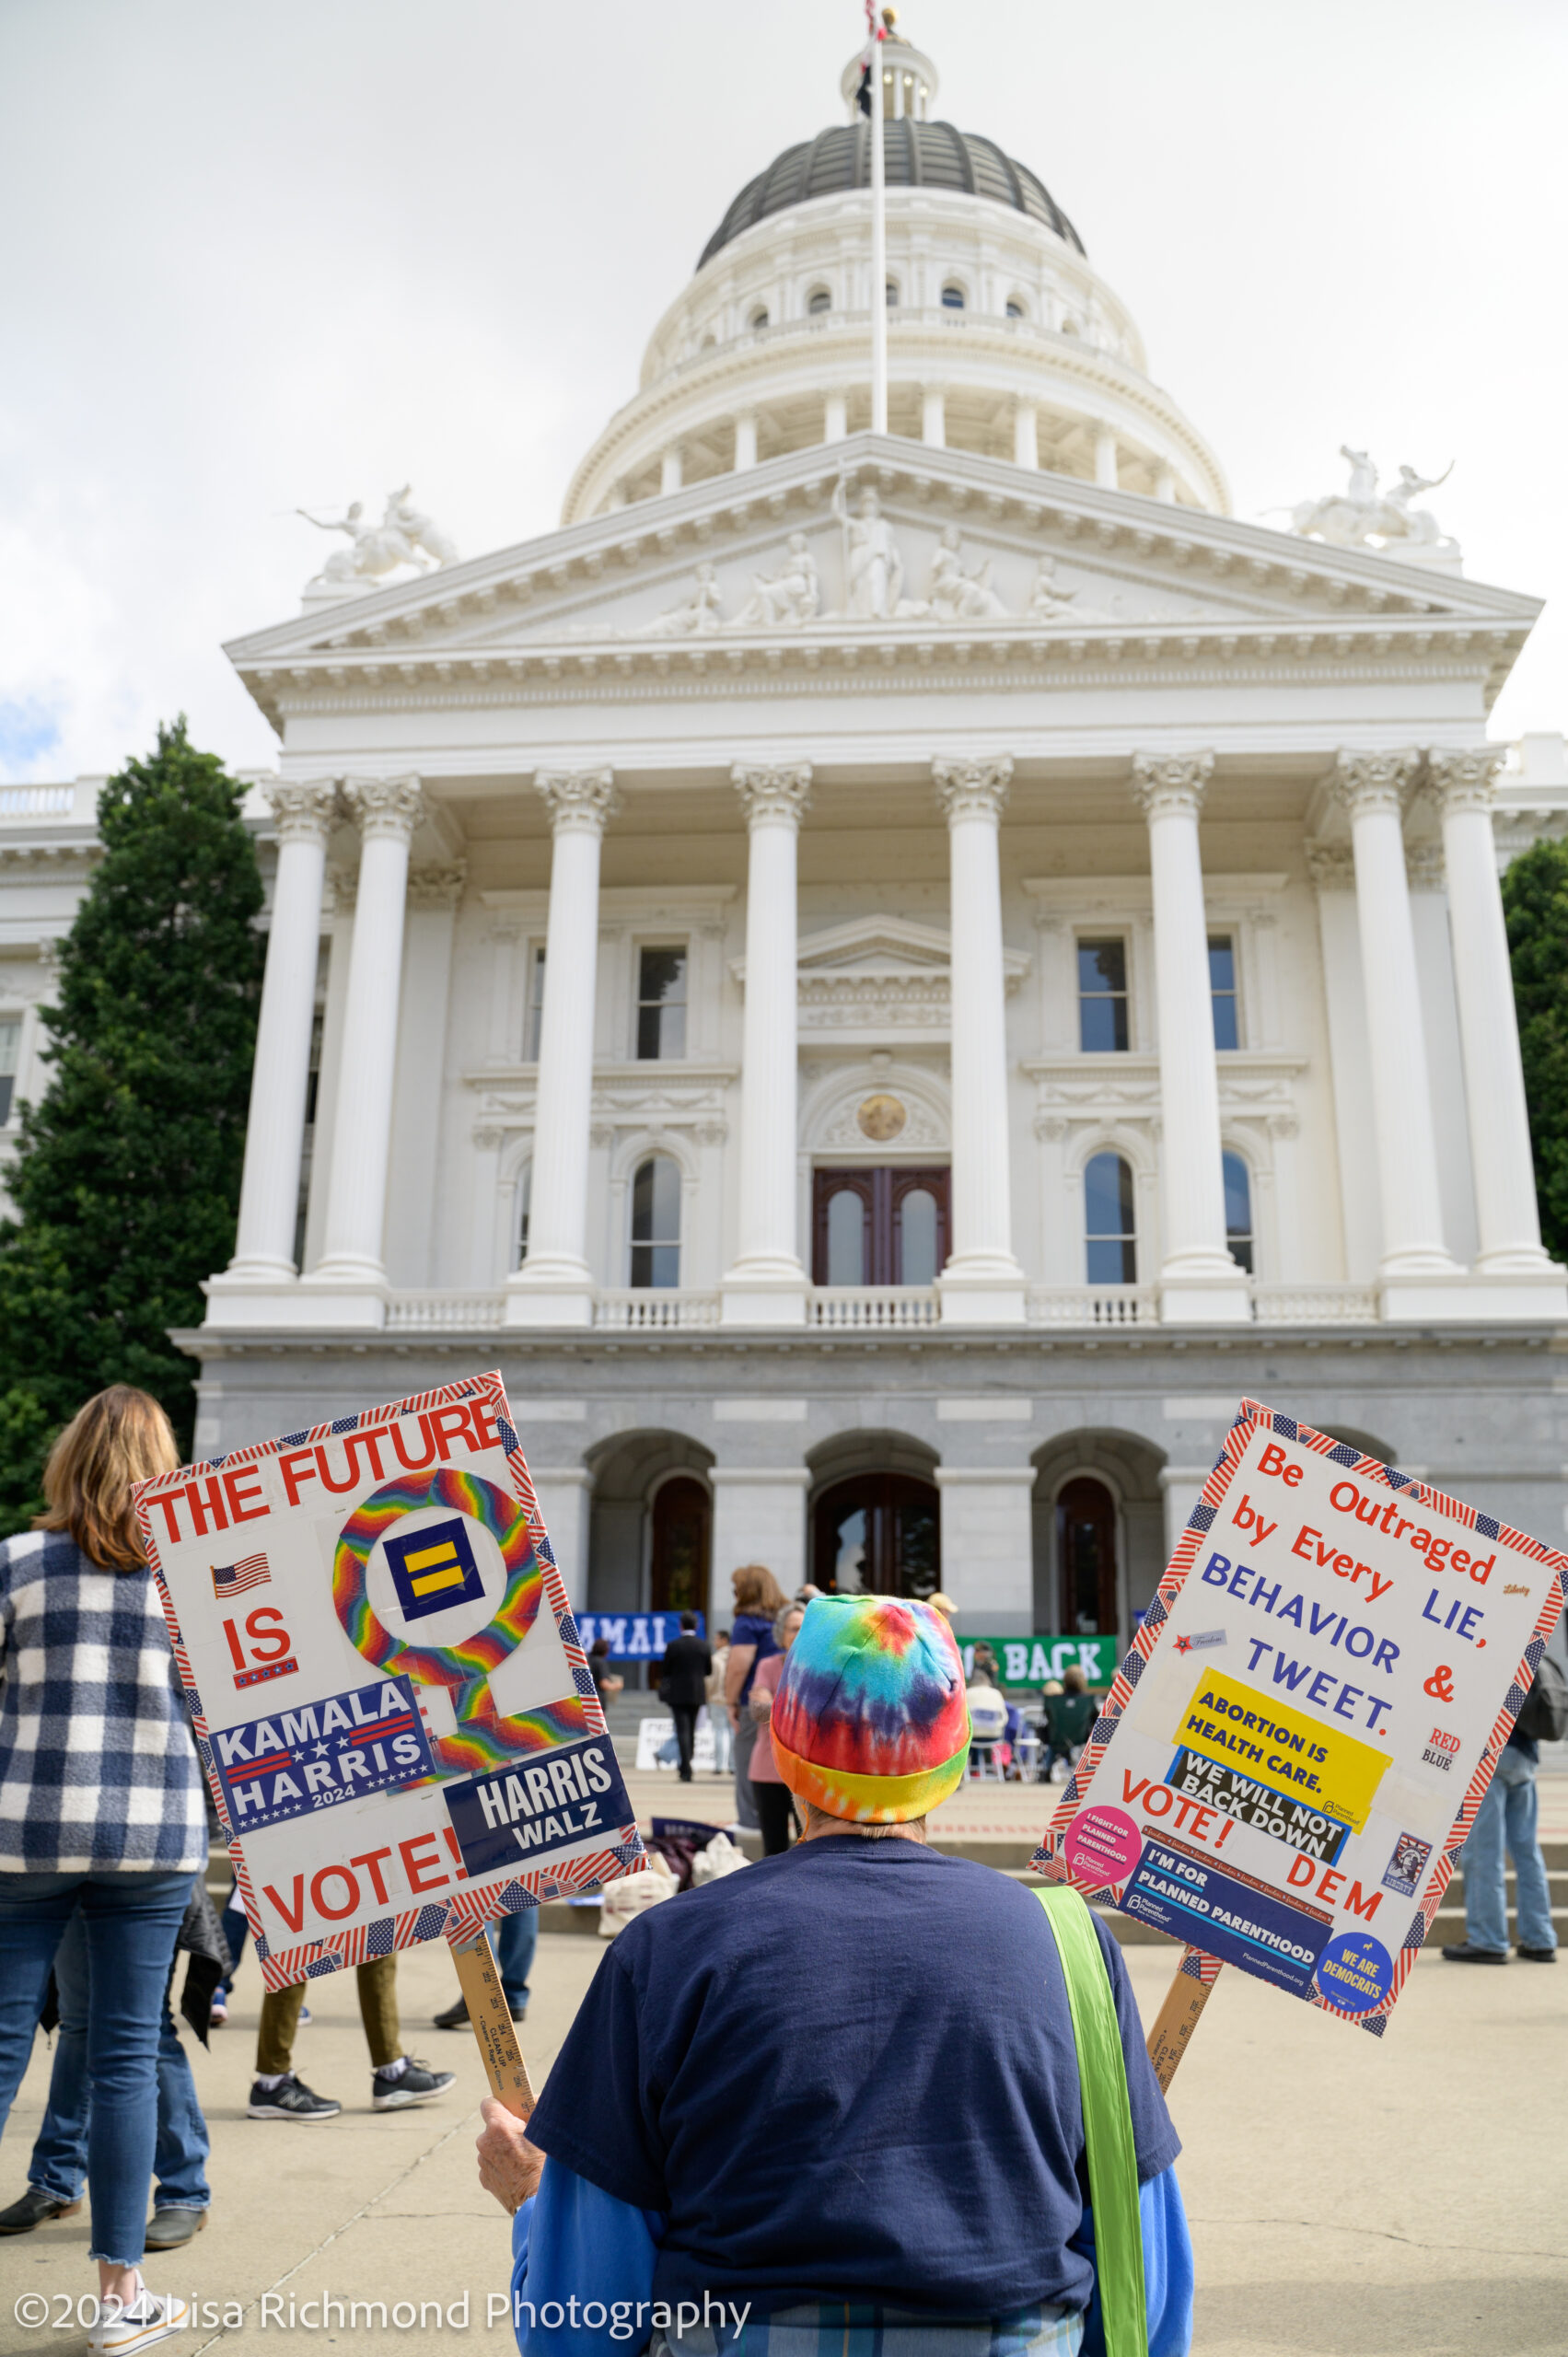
[1003, 339]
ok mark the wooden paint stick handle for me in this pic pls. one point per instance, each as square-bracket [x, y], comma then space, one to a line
[1177, 2018]
[492, 2019]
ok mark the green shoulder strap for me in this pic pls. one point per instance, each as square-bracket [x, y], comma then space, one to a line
[1107, 2123]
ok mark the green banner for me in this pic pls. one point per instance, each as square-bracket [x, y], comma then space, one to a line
[1030, 1660]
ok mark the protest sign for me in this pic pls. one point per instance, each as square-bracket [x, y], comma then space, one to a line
[1295, 1745]
[1034, 1661]
[633, 1636]
[389, 1692]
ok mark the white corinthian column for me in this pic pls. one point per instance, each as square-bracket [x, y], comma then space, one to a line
[765, 1285]
[1415, 1260]
[350, 1270]
[1508, 1222]
[554, 1286]
[274, 1134]
[1199, 1280]
[983, 1284]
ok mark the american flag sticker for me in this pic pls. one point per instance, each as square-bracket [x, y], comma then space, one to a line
[233, 1579]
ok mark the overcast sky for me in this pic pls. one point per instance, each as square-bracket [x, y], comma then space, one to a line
[294, 253]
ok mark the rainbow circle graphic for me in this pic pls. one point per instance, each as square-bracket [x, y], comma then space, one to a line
[483, 1738]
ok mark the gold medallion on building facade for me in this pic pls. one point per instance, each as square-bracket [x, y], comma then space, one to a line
[881, 1118]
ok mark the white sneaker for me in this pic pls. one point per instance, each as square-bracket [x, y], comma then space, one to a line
[148, 2320]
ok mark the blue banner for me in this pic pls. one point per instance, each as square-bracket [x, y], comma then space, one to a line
[516, 1817]
[317, 1754]
[633, 1636]
[1184, 1893]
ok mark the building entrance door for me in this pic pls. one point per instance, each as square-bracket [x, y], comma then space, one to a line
[682, 1521]
[883, 1226]
[1085, 1556]
[878, 1533]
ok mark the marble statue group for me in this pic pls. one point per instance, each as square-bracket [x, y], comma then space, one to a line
[403, 537]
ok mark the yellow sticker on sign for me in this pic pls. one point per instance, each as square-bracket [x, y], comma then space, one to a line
[1245, 1729]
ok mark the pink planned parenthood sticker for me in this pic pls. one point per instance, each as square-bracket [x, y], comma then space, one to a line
[1103, 1846]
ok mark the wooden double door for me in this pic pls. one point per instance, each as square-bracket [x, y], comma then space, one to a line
[878, 1533]
[883, 1225]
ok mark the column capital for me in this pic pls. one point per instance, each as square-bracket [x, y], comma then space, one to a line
[304, 808]
[1171, 784]
[972, 789]
[387, 806]
[437, 884]
[580, 802]
[1465, 781]
[1374, 781]
[782, 791]
[1331, 866]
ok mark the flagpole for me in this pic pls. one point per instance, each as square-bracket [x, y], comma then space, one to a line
[878, 241]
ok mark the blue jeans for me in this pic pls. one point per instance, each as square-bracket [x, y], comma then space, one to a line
[1506, 1817]
[517, 1936]
[130, 1923]
[60, 2156]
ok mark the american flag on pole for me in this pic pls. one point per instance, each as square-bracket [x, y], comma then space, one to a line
[233, 1579]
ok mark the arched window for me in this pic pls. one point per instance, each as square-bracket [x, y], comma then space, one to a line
[952, 299]
[656, 1222]
[820, 300]
[917, 1215]
[1239, 1210]
[1015, 308]
[846, 1236]
[891, 292]
[525, 1196]
[1110, 1228]
[759, 317]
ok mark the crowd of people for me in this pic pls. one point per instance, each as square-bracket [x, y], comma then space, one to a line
[952, 2197]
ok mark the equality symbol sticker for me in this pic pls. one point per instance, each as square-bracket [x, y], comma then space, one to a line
[433, 1570]
[475, 1563]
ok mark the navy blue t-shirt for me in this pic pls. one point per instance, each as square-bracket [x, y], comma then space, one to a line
[847, 2072]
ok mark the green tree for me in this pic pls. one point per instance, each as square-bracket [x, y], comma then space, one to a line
[127, 1177]
[1535, 900]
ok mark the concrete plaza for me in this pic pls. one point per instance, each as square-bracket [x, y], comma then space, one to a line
[1348, 2197]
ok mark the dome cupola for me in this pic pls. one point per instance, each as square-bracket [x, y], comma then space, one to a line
[1003, 339]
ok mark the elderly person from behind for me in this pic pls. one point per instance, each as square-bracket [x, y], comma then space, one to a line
[914, 2163]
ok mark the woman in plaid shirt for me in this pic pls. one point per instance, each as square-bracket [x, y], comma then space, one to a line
[101, 1808]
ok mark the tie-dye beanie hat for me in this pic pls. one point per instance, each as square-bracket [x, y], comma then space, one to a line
[869, 1722]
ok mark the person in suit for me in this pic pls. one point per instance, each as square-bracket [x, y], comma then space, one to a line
[684, 1683]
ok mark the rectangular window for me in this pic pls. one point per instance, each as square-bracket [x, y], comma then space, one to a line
[533, 1017]
[1221, 989]
[661, 1004]
[1102, 995]
[10, 1050]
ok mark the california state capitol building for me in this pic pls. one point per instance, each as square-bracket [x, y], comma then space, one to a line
[885, 978]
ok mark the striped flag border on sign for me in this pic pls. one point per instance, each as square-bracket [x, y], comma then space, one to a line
[462, 1916]
[1253, 1416]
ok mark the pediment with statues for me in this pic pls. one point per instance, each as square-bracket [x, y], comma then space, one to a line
[883, 557]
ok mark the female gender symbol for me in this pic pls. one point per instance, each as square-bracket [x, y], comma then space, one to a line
[431, 1570]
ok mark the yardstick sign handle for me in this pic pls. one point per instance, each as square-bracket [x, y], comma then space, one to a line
[1178, 2017]
[1295, 1745]
[492, 2019]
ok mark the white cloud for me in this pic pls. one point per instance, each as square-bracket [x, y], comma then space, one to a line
[256, 261]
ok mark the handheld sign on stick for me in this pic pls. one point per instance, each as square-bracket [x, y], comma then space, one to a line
[1294, 1748]
[388, 1691]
